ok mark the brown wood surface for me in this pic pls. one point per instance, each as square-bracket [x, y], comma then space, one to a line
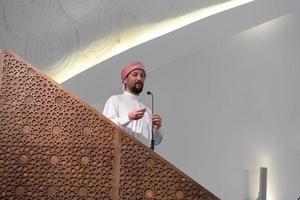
[1, 66]
[55, 146]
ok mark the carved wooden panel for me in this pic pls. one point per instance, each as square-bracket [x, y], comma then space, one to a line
[54, 146]
[145, 175]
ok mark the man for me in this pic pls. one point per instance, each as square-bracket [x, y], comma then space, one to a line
[127, 111]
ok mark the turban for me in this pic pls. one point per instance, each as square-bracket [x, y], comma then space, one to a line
[130, 67]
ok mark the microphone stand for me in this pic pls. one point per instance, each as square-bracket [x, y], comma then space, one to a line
[152, 109]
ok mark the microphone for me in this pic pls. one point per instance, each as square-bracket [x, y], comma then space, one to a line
[152, 109]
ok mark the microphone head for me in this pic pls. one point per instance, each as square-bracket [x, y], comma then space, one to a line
[148, 92]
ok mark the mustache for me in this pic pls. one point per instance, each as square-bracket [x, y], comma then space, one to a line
[138, 82]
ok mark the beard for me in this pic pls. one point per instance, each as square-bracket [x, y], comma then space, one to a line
[137, 88]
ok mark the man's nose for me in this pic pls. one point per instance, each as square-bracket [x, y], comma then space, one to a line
[139, 78]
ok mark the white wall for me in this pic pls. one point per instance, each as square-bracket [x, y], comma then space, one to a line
[228, 106]
[233, 107]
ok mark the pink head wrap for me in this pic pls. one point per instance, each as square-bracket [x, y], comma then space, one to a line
[130, 67]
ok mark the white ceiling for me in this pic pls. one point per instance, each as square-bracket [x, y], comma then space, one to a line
[178, 44]
[66, 37]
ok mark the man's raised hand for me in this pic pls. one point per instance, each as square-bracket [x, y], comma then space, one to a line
[136, 114]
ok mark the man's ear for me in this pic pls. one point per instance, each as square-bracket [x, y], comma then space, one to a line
[125, 81]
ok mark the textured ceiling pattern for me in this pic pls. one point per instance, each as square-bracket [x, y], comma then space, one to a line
[60, 36]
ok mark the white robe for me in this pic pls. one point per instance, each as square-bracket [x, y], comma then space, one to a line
[117, 108]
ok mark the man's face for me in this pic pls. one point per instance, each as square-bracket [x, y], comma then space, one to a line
[134, 82]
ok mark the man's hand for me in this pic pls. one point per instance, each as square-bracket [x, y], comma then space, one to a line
[156, 121]
[136, 114]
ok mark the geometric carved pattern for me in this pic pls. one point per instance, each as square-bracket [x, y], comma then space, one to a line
[54, 146]
[146, 174]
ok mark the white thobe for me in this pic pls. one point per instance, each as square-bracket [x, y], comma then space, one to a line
[117, 108]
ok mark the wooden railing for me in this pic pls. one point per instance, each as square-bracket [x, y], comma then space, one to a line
[55, 146]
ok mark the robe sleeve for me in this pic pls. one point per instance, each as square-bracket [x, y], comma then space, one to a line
[157, 136]
[111, 111]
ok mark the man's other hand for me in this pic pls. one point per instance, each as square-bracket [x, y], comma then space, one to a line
[156, 121]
